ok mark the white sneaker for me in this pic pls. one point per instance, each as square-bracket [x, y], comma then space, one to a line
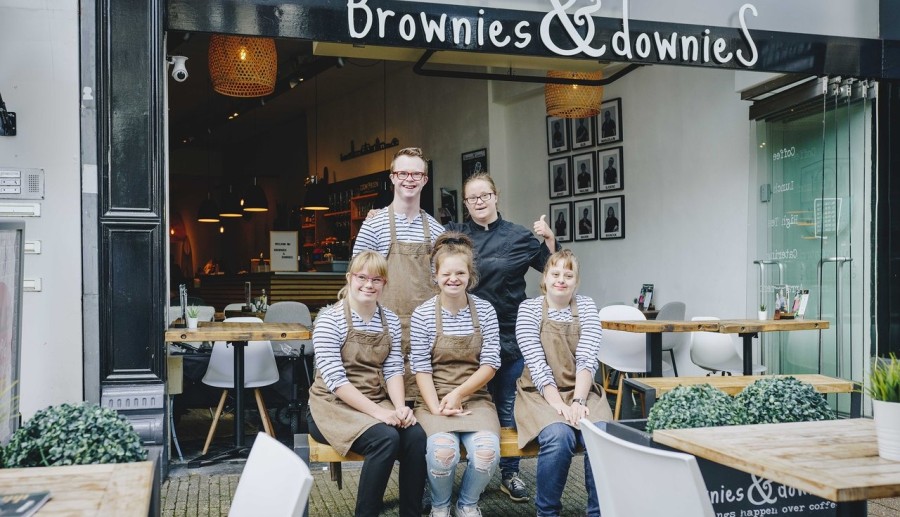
[440, 512]
[468, 511]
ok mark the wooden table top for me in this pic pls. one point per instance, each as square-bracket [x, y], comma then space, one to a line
[721, 326]
[221, 331]
[120, 489]
[836, 459]
[733, 384]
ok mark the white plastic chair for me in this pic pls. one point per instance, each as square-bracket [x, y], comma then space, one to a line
[259, 370]
[673, 311]
[275, 482]
[677, 485]
[291, 312]
[716, 352]
[234, 307]
[625, 352]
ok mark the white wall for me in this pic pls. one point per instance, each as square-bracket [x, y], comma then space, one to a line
[39, 81]
[686, 189]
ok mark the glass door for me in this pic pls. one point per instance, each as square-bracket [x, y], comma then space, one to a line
[815, 173]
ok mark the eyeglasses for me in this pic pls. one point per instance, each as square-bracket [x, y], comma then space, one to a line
[363, 279]
[484, 197]
[416, 175]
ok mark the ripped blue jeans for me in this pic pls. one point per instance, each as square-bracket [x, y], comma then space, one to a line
[442, 456]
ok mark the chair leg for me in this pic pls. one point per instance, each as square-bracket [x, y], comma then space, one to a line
[172, 429]
[263, 413]
[610, 374]
[619, 399]
[674, 366]
[212, 427]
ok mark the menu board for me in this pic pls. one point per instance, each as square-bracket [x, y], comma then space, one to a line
[283, 251]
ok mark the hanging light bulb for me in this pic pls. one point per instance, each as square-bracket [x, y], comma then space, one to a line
[241, 66]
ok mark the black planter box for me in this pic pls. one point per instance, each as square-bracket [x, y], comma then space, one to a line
[734, 493]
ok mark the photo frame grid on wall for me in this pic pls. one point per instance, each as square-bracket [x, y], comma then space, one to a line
[586, 215]
[612, 217]
[584, 173]
[561, 221]
[582, 132]
[557, 135]
[609, 122]
[559, 175]
[610, 169]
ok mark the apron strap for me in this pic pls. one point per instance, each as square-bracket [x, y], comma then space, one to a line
[439, 316]
[378, 310]
[426, 231]
[393, 227]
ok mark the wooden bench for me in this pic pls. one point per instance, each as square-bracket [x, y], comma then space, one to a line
[310, 450]
[654, 387]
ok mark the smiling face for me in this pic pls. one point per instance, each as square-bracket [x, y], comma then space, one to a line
[408, 188]
[482, 212]
[452, 275]
[560, 282]
[365, 286]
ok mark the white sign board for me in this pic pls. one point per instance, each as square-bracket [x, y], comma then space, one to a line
[283, 251]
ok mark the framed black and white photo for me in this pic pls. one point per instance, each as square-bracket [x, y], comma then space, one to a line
[609, 121]
[582, 131]
[612, 217]
[473, 162]
[557, 135]
[561, 217]
[586, 215]
[584, 173]
[560, 175]
[610, 169]
[448, 211]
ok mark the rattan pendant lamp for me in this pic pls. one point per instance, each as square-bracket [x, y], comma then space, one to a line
[241, 66]
[573, 100]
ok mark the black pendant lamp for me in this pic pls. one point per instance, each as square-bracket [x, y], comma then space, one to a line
[316, 196]
[255, 199]
[209, 212]
[231, 205]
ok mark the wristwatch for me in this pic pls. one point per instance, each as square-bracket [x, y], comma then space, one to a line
[579, 400]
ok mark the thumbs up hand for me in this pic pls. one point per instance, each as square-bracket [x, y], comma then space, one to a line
[542, 229]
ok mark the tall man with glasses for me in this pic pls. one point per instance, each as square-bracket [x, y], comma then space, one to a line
[404, 235]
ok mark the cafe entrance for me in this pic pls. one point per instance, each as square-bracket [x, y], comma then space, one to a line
[815, 162]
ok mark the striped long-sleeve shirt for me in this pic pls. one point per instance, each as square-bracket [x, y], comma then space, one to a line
[423, 331]
[330, 333]
[528, 334]
[375, 233]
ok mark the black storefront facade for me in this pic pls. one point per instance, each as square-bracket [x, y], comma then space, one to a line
[124, 225]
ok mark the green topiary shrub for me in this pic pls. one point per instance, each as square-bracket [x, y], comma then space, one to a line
[74, 435]
[782, 399]
[699, 405]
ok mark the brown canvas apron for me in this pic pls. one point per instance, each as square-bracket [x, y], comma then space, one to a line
[363, 354]
[533, 413]
[409, 285]
[454, 360]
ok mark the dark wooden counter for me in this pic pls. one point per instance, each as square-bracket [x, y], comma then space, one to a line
[314, 289]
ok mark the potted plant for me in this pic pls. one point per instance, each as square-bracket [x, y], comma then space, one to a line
[73, 434]
[761, 314]
[193, 313]
[884, 388]
[778, 400]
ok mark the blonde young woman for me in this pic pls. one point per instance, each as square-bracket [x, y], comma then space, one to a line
[559, 335]
[455, 351]
[357, 400]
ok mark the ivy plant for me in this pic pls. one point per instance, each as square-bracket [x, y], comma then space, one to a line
[699, 405]
[76, 434]
[782, 399]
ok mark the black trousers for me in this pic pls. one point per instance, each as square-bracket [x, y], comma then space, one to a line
[381, 444]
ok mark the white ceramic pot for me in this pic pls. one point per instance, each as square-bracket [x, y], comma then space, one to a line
[192, 323]
[887, 428]
[762, 315]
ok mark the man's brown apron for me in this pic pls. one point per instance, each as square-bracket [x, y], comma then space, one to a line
[409, 285]
[454, 359]
[533, 413]
[363, 354]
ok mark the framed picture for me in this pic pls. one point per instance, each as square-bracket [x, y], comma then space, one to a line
[609, 121]
[582, 132]
[585, 173]
[473, 162]
[448, 211]
[612, 215]
[561, 215]
[586, 215]
[611, 169]
[560, 175]
[557, 135]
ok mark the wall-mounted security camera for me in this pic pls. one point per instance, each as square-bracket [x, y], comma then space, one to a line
[179, 70]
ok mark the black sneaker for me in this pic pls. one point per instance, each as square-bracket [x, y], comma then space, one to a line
[514, 487]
